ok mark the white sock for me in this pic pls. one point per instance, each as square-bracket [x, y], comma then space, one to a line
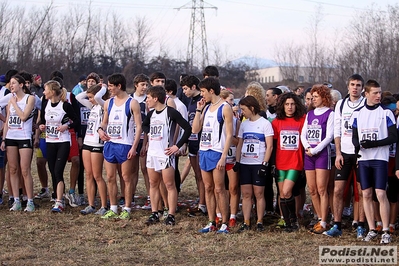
[219, 215]
[232, 216]
[323, 224]
[127, 209]
[114, 208]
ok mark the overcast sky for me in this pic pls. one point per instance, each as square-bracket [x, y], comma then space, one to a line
[238, 27]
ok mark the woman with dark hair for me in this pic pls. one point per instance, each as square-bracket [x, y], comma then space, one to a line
[17, 134]
[287, 127]
[254, 149]
[317, 133]
[92, 150]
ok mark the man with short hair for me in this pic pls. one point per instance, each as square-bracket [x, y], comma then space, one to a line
[215, 122]
[121, 129]
[374, 129]
[346, 161]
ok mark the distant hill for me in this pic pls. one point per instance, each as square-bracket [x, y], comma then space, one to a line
[254, 62]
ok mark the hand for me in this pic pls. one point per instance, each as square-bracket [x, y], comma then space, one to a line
[42, 128]
[143, 151]
[221, 164]
[13, 100]
[367, 144]
[201, 104]
[236, 167]
[308, 153]
[103, 136]
[132, 152]
[397, 173]
[3, 146]
[62, 128]
[36, 143]
[80, 143]
[262, 172]
[171, 150]
[339, 161]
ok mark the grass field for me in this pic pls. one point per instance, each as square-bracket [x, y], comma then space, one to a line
[44, 238]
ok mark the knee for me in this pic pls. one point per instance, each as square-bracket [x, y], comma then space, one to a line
[322, 191]
[209, 188]
[381, 195]
[75, 161]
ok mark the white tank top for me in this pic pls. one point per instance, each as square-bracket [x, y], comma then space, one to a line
[159, 137]
[54, 116]
[120, 122]
[212, 136]
[18, 129]
[94, 121]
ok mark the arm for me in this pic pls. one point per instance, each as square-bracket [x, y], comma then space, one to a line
[135, 109]
[27, 112]
[234, 140]
[228, 123]
[304, 132]
[38, 102]
[238, 150]
[5, 129]
[176, 116]
[99, 96]
[392, 135]
[170, 102]
[199, 117]
[269, 148]
[355, 136]
[70, 116]
[102, 129]
[4, 100]
[329, 135]
[82, 98]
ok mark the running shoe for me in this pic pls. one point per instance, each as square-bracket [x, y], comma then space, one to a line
[360, 232]
[260, 227]
[312, 223]
[10, 202]
[16, 206]
[88, 210]
[58, 207]
[110, 214]
[122, 202]
[379, 229]
[333, 232]
[72, 199]
[193, 212]
[124, 215]
[293, 228]
[232, 222]
[210, 227]
[153, 219]
[370, 236]
[391, 229]
[147, 205]
[170, 220]
[354, 226]
[165, 213]
[218, 220]
[30, 207]
[280, 223]
[386, 238]
[347, 211]
[224, 229]
[44, 193]
[80, 200]
[101, 211]
[243, 227]
[318, 229]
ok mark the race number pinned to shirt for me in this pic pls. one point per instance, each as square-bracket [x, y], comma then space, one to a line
[314, 134]
[347, 132]
[289, 140]
[91, 126]
[84, 115]
[231, 155]
[52, 132]
[156, 132]
[206, 138]
[369, 134]
[114, 130]
[250, 148]
[15, 122]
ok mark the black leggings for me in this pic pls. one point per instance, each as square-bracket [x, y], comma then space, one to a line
[57, 156]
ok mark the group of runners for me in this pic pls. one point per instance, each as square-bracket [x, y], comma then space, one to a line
[235, 151]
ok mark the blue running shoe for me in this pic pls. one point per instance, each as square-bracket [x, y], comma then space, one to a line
[209, 228]
[360, 232]
[333, 232]
[224, 229]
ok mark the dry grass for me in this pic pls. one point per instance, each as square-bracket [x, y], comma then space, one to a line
[72, 239]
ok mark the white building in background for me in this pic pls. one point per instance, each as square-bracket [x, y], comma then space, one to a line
[298, 74]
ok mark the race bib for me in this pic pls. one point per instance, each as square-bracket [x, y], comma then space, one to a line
[231, 155]
[193, 137]
[52, 132]
[15, 122]
[369, 134]
[314, 134]
[91, 127]
[114, 130]
[347, 130]
[289, 140]
[84, 115]
[206, 138]
[392, 150]
[250, 148]
[156, 132]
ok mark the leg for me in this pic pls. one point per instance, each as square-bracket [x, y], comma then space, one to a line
[221, 194]
[322, 177]
[110, 169]
[234, 191]
[90, 185]
[155, 179]
[339, 199]
[127, 167]
[259, 192]
[209, 194]
[97, 160]
[25, 156]
[194, 161]
[168, 176]
[247, 192]
[13, 164]
[311, 181]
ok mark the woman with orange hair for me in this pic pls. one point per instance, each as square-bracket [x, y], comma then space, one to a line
[317, 133]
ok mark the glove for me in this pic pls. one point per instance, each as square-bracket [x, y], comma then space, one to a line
[262, 172]
[236, 167]
[367, 144]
